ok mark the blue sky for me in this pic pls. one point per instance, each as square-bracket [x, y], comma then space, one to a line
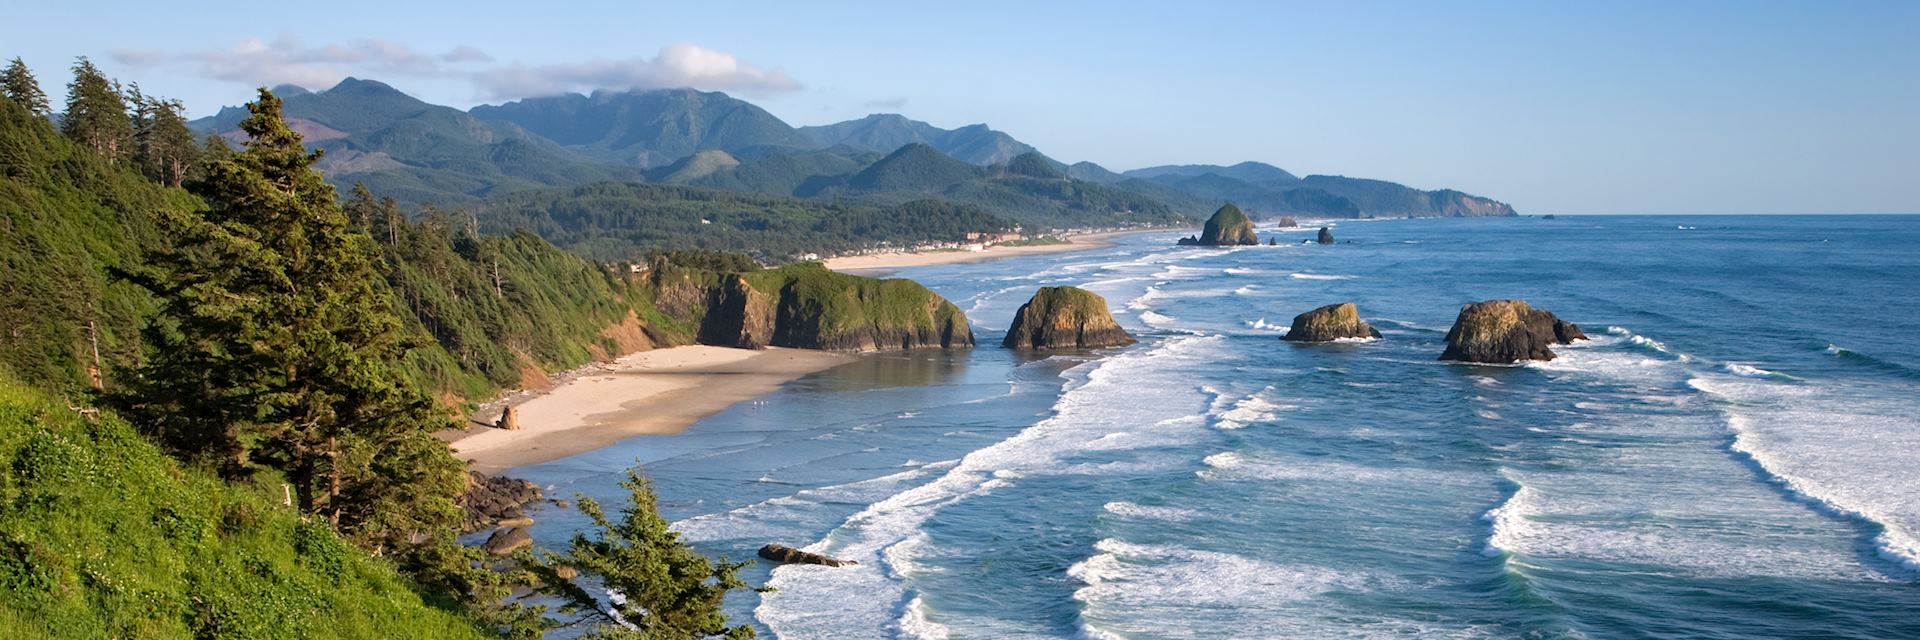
[1618, 107]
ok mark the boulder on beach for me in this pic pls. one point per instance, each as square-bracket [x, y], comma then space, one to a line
[1329, 323]
[1229, 226]
[1326, 236]
[1065, 318]
[1505, 332]
[509, 419]
[784, 554]
[508, 540]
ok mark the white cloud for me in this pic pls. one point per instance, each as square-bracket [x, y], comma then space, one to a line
[287, 60]
[680, 64]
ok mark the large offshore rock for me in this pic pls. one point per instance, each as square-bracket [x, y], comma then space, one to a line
[1065, 318]
[1329, 323]
[1325, 237]
[1229, 226]
[1505, 332]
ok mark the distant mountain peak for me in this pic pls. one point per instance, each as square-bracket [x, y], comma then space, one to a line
[884, 132]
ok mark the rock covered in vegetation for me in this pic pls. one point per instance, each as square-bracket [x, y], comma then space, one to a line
[1065, 318]
[1505, 332]
[1229, 226]
[1325, 237]
[1329, 323]
[810, 307]
[788, 555]
[490, 499]
[507, 540]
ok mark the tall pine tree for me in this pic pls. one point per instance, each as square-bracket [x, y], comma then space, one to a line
[164, 148]
[96, 114]
[18, 84]
[274, 348]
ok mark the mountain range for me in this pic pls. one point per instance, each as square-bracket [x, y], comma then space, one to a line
[419, 152]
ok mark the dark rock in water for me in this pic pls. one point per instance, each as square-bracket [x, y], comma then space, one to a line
[1547, 217]
[1329, 323]
[509, 419]
[1273, 242]
[1065, 318]
[1288, 222]
[788, 555]
[505, 541]
[1228, 227]
[490, 499]
[1326, 236]
[1505, 332]
[1189, 241]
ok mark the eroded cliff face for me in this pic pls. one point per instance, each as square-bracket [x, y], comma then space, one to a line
[1065, 318]
[1505, 332]
[1460, 205]
[809, 307]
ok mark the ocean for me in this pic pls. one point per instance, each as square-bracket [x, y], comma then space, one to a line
[1735, 453]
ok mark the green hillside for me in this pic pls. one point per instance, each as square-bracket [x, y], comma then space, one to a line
[646, 128]
[103, 536]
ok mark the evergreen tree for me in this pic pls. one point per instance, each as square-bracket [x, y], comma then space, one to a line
[274, 348]
[164, 148]
[667, 591]
[96, 114]
[18, 84]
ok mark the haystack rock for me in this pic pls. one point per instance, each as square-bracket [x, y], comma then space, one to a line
[1065, 318]
[1287, 222]
[1228, 227]
[1329, 323]
[1505, 332]
[1326, 236]
[788, 555]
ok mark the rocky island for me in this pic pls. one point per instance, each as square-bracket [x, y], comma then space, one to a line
[1505, 332]
[1329, 323]
[1228, 227]
[1325, 237]
[806, 306]
[1065, 318]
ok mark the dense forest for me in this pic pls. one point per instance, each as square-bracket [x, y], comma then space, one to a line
[219, 387]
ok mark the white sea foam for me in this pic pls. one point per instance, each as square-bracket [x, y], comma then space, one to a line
[1136, 510]
[1850, 451]
[1249, 410]
[1512, 521]
[1133, 392]
[1318, 276]
[1750, 371]
[1262, 324]
[1146, 590]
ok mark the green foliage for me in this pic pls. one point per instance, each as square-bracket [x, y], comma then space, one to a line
[68, 218]
[103, 536]
[96, 115]
[272, 348]
[915, 167]
[667, 590]
[617, 222]
[164, 149]
[646, 128]
[17, 84]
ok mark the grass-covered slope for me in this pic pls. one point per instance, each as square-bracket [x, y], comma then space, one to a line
[103, 536]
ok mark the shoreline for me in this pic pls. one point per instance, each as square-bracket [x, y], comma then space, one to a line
[872, 263]
[654, 392]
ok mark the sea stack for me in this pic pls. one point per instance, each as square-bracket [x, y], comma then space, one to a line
[1505, 332]
[1326, 236]
[1065, 318]
[1287, 222]
[1330, 323]
[1228, 227]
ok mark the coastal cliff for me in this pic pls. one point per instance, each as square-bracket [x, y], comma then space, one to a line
[1505, 332]
[807, 306]
[1065, 318]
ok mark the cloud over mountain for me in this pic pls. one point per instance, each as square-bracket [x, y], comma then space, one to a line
[287, 60]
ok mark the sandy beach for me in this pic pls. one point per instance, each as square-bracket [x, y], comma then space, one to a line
[646, 393]
[880, 262]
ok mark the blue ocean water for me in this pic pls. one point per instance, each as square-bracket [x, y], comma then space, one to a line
[1736, 453]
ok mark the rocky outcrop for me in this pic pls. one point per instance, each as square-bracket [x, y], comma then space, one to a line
[1325, 237]
[507, 540]
[1065, 318]
[488, 500]
[1287, 222]
[1229, 226]
[1329, 323]
[737, 316]
[808, 306]
[788, 555]
[1505, 332]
